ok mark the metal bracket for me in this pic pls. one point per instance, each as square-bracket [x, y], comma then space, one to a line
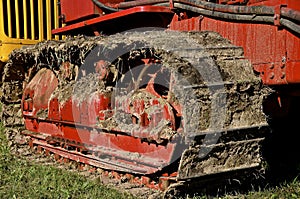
[277, 13]
[171, 2]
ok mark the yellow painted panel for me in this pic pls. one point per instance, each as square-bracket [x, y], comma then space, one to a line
[9, 19]
[26, 35]
[17, 18]
[25, 19]
[32, 19]
[41, 22]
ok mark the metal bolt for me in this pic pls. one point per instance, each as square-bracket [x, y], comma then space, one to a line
[272, 66]
[282, 75]
[272, 75]
[283, 60]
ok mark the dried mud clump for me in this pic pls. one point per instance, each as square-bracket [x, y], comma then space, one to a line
[231, 105]
[237, 99]
[222, 157]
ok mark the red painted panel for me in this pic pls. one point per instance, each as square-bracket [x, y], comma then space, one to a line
[66, 110]
[84, 116]
[29, 125]
[265, 46]
[118, 142]
[293, 4]
[192, 24]
[262, 43]
[53, 110]
[77, 9]
[98, 103]
[293, 71]
[49, 128]
[293, 47]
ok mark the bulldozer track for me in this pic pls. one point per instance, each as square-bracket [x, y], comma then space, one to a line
[220, 94]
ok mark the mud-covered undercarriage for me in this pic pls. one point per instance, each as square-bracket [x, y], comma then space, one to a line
[170, 106]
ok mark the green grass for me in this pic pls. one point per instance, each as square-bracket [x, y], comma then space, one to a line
[22, 179]
[289, 190]
[284, 191]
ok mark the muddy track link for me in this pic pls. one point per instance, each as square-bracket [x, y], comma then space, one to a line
[220, 96]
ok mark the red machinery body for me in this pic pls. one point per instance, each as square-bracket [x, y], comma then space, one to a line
[75, 124]
[272, 48]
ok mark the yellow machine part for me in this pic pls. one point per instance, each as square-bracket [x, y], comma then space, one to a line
[26, 22]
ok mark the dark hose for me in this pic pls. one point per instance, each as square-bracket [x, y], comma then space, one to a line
[291, 14]
[101, 5]
[237, 17]
[259, 10]
[290, 25]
